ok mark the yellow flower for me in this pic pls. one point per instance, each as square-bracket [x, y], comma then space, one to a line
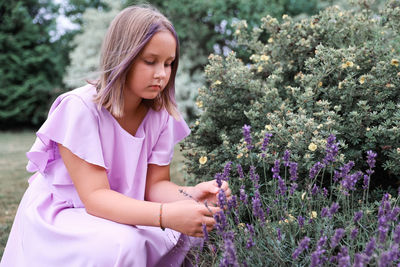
[312, 147]
[259, 69]
[319, 84]
[197, 122]
[348, 64]
[241, 225]
[239, 155]
[313, 214]
[203, 160]
[394, 62]
[217, 82]
[199, 104]
[284, 16]
[268, 127]
[264, 58]
[362, 79]
[303, 195]
[237, 32]
[340, 85]
[270, 40]
[398, 150]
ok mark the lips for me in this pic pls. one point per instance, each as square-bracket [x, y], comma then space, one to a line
[156, 86]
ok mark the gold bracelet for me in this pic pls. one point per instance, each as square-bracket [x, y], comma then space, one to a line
[162, 228]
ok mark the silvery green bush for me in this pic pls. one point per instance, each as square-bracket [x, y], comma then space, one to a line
[333, 73]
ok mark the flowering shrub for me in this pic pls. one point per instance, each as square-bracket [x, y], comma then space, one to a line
[334, 73]
[301, 222]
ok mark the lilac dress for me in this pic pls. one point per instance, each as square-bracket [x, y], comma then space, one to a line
[52, 227]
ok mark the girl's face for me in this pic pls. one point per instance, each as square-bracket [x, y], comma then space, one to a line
[150, 71]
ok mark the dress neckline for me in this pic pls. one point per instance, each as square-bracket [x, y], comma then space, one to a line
[139, 132]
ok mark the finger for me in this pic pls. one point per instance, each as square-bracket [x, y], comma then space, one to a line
[228, 192]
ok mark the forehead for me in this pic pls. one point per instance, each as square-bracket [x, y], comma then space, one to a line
[162, 44]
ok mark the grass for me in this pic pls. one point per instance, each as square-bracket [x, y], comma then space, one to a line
[14, 177]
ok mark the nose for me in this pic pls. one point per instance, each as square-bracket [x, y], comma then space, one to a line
[160, 72]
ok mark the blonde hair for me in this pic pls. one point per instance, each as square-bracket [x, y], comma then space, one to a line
[127, 35]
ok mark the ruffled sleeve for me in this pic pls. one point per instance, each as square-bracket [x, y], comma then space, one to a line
[172, 133]
[74, 125]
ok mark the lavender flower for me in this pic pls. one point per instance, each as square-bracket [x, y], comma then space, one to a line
[293, 171]
[332, 150]
[371, 159]
[316, 257]
[247, 136]
[218, 179]
[278, 233]
[300, 220]
[365, 182]
[293, 188]
[240, 171]
[369, 249]
[221, 222]
[257, 207]
[232, 203]
[315, 169]
[250, 243]
[357, 216]
[324, 212]
[286, 158]
[325, 192]
[205, 233]
[243, 195]
[396, 234]
[337, 237]
[275, 169]
[393, 216]
[333, 209]
[229, 257]
[343, 257]
[250, 228]
[282, 186]
[227, 169]
[314, 190]
[303, 245]
[221, 198]
[359, 260]
[265, 144]
[354, 233]
[382, 233]
[322, 241]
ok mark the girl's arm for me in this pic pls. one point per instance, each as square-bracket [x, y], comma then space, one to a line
[159, 188]
[92, 185]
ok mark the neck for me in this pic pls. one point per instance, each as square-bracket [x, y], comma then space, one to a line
[132, 104]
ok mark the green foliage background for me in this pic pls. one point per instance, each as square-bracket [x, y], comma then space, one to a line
[335, 72]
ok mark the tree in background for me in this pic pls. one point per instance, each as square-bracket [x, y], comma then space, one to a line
[32, 58]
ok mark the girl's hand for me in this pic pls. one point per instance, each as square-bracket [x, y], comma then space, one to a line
[209, 191]
[188, 216]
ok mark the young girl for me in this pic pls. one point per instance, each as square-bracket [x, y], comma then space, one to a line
[101, 193]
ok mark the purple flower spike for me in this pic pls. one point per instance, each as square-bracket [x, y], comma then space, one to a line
[257, 207]
[229, 257]
[359, 260]
[275, 169]
[357, 216]
[396, 234]
[278, 233]
[333, 209]
[315, 169]
[371, 159]
[324, 212]
[247, 136]
[293, 171]
[265, 143]
[227, 169]
[354, 233]
[343, 257]
[332, 150]
[205, 233]
[369, 249]
[303, 245]
[286, 158]
[240, 171]
[300, 220]
[337, 237]
[243, 195]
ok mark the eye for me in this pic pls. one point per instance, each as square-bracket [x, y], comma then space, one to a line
[149, 62]
[168, 64]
